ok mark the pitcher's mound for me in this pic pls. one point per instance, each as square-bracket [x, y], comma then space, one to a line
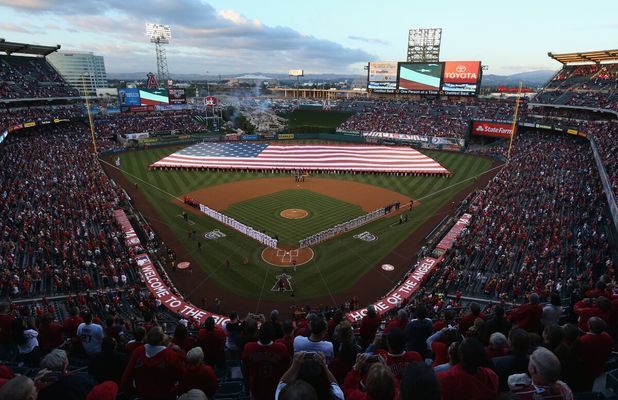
[287, 257]
[294, 213]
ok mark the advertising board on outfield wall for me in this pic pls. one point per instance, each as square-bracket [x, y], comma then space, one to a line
[492, 129]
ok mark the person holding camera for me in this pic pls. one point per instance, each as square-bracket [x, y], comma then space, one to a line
[370, 379]
[310, 367]
[315, 342]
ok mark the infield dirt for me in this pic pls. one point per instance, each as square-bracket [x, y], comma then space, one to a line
[366, 196]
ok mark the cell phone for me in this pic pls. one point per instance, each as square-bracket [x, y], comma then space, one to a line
[310, 355]
[373, 358]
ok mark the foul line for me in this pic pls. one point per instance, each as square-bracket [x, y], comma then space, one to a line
[257, 307]
[141, 180]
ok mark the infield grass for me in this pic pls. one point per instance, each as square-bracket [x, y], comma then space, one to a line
[338, 263]
[264, 213]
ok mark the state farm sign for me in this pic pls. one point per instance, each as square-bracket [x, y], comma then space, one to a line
[461, 71]
[493, 129]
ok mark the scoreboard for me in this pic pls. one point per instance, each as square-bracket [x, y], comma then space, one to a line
[450, 78]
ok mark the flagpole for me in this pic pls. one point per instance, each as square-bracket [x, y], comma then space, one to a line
[94, 143]
[514, 126]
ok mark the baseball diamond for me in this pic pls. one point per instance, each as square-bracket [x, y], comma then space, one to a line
[342, 268]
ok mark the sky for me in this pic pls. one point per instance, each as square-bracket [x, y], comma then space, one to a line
[319, 36]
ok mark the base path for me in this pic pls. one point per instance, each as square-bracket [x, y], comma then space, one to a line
[367, 197]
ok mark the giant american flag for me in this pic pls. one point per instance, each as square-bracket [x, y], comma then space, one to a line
[302, 157]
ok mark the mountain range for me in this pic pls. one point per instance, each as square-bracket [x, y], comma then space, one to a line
[529, 78]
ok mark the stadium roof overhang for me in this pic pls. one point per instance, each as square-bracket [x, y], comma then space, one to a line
[586, 57]
[25, 48]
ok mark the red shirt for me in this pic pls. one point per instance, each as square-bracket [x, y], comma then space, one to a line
[186, 344]
[352, 388]
[528, 317]
[131, 346]
[456, 384]
[468, 320]
[396, 323]
[265, 365]
[213, 344]
[585, 312]
[398, 362]
[440, 352]
[152, 378]
[51, 336]
[288, 342]
[201, 377]
[593, 352]
[369, 326]
[6, 328]
[71, 324]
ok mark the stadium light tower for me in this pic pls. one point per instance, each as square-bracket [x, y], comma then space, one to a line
[424, 45]
[160, 35]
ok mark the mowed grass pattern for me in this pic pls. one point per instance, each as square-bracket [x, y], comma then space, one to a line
[337, 265]
[264, 213]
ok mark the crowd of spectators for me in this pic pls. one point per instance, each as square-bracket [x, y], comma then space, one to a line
[583, 85]
[423, 350]
[566, 118]
[31, 77]
[11, 117]
[606, 138]
[107, 124]
[165, 121]
[529, 231]
[56, 223]
[424, 117]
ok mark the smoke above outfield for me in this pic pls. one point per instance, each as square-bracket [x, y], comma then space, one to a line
[203, 38]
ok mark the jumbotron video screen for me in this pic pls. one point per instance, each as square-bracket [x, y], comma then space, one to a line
[419, 78]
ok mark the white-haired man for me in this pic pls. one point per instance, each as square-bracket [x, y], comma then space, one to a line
[197, 375]
[542, 380]
[55, 382]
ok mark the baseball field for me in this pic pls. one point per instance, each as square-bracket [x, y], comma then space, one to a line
[230, 266]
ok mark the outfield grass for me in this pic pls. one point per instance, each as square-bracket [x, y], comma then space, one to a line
[263, 213]
[316, 119]
[337, 265]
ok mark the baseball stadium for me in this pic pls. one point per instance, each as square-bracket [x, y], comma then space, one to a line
[417, 227]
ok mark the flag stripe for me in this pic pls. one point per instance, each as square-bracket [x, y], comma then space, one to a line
[314, 157]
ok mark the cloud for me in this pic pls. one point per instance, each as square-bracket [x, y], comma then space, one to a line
[7, 26]
[198, 30]
[368, 40]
